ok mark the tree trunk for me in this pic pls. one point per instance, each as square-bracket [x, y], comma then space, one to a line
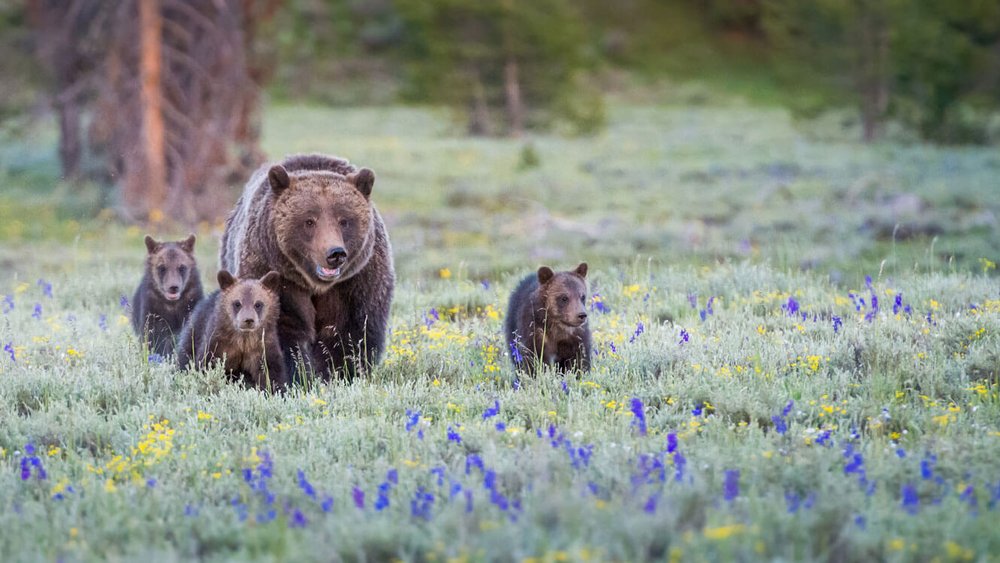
[873, 68]
[154, 185]
[479, 113]
[70, 141]
[512, 88]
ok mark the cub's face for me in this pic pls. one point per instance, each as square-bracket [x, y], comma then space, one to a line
[249, 304]
[170, 265]
[565, 295]
[322, 221]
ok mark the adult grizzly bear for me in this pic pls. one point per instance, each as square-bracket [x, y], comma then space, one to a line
[310, 218]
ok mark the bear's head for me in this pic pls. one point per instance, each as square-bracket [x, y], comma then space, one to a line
[249, 304]
[323, 222]
[564, 295]
[171, 265]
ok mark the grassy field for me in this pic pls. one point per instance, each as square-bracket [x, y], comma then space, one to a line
[797, 337]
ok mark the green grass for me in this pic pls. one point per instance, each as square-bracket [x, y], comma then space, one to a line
[143, 461]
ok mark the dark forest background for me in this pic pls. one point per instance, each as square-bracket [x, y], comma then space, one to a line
[162, 99]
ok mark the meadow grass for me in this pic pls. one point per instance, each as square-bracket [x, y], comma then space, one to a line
[753, 396]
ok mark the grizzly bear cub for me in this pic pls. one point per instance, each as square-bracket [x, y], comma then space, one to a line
[547, 321]
[168, 292]
[238, 324]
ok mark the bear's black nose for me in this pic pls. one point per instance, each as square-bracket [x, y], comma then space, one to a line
[336, 256]
[248, 322]
[173, 289]
[582, 316]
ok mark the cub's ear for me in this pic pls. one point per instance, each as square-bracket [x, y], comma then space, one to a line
[277, 176]
[151, 244]
[545, 274]
[271, 281]
[363, 180]
[581, 269]
[226, 280]
[188, 244]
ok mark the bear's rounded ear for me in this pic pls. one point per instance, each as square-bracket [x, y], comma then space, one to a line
[277, 176]
[271, 281]
[151, 244]
[545, 274]
[226, 280]
[581, 270]
[363, 180]
[188, 244]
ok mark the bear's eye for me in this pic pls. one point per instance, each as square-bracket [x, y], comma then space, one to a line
[563, 299]
[162, 270]
[258, 306]
[183, 270]
[310, 223]
[237, 305]
[344, 223]
[583, 298]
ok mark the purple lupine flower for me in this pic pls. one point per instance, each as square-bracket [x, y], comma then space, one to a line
[679, 463]
[788, 408]
[8, 303]
[515, 352]
[473, 460]
[868, 283]
[837, 323]
[123, 302]
[870, 316]
[327, 504]
[298, 520]
[102, 322]
[792, 501]
[501, 427]
[671, 442]
[860, 521]
[639, 415]
[420, 506]
[639, 329]
[684, 336]
[485, 283]
[46, 287]
[693, 300]
[359, 497]
[439, 472]
[897, 304]
[779, 424]
[454, 436]
[412, 418]
[927, 466]
[392, 476]
[697, 411]
[910, 499]
[968, 496]
[151, 483]
[382, 500]
[565, 388]
[492, 411]
[824, 438]
[650, 506]
[305, 485]
[597, 304]
[611, 345]
[9, 348]
[791, 307]
[731, 484]
[900, 453]
[37, 313]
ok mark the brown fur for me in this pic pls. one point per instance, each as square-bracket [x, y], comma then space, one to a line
[168, 292]
[547, 321]
[238, 325]
[310, 218]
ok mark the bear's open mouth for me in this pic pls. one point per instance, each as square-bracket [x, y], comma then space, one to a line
[327, 274]
[172, 296]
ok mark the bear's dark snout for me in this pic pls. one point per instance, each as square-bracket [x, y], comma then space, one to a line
[582, 316]
[335, 257]
[174, 289]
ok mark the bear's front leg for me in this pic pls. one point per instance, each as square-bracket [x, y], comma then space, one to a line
[296, 328]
